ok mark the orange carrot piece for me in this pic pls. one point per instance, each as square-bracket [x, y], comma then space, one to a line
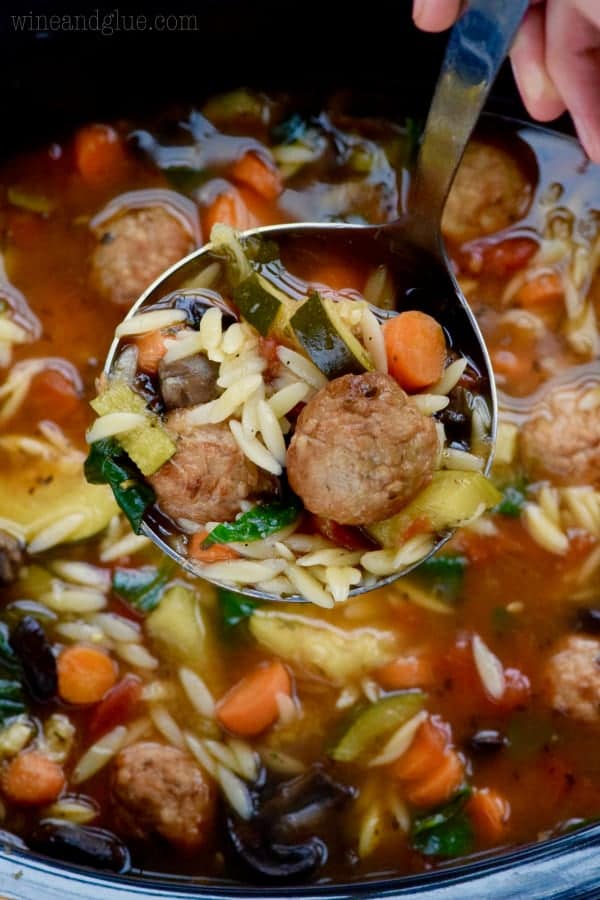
[151, 349]
[85, 674]
[33, 779]
[541, 291]
[250, 706]
[410, 671]
[52, 396]
[425, 754]
[99, 154]
[416, 349]
[439, 786]
[214, 553]
[337, 275]
[227, 209]
[259, 174]
[489, 812]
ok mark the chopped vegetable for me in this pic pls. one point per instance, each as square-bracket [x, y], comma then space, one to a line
[8, 657]
[108, 464]
[99, 154]
[451, 498]
[541, 291]
[24, 199]
[143, 587]
[425, 754]
[116, 708]
[289, 130]
[85, 674]
[257, 523]
[515, 497]
[371, 726]
[412, 670]
[447, 832]
[151, 348]
[346, 536]
[440, 784]
[235, 608]
[327, 339]
[12, 699]
[259, 174]
[38, 662]
[240, 104]
[227, 208]
[259, 306]
[148, 445]
[489, 812]
[179, 627]
[334, 653]
[251, 705]
[32, 779]
[198, 550]
[443, 575]
[416, 349]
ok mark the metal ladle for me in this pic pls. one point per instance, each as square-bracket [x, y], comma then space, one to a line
[410, 247]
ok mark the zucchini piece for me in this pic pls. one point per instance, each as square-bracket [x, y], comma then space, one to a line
[451, 498]
[327, 339]
[258, 306]
[37, 491]
[369, 729]
[149, 445]
[322, 648]
[179, 626]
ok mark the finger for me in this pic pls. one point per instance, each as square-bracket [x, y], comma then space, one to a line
[435, 15]
[528, 57]
[573, 54]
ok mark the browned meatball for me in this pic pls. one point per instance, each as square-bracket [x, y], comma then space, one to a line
[133, 250]
[159, 790]
[208, 477]
[561, 440]
[489, 193]
[361, 450]
[572, 678]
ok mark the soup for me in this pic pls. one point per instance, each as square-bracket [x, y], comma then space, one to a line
[154, 723]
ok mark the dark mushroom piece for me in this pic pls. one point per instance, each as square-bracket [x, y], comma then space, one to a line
[12, 557]
[188, 381]
[588, 620]
[80, 844]
[276, 844]
[38, 662]
[487, 741]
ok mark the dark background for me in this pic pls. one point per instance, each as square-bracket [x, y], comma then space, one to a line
[51, 80]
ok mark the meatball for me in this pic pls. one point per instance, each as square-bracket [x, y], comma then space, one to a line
[490, 192]
[11, 558]
[561, 440]
[572, 678]
[159, 790]
[208, 477]
[361, 450]
[133, 250]
[187, 382]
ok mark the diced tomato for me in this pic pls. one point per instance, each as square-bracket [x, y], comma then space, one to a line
[100, 156]
[498, 258]
[344, 535]
[117, 707]
[517, 690]
[52, 396]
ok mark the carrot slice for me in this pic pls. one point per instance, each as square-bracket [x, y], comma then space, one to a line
[541, 291]
[99, 154]
[118, 706]
[441, 783]
[337, 275]
[151, 349]
[259, 174]
[85, 674]
[214, 553]
[251, 705]
[52, 396]
[227, 209]
[416, 349]
[33, 779]
[425, 754]
[410, 671]
[489, 812]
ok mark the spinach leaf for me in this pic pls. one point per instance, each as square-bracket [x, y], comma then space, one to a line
[515, 496]
[8, 657]
[443, 576]
[289, 130]
[108, 464]
[186, 180]
[144, 587]
[446, 831]
[257, 523]
[235, 608]
[12, 699]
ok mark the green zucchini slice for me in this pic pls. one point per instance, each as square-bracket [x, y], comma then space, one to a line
[327, 339]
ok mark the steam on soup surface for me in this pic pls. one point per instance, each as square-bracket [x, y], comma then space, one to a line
[198, 732]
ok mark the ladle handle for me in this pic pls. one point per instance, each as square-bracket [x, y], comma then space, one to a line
[478, 44]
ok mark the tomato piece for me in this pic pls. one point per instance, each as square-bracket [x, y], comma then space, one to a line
[497, 258]
[345, 535]
[52, 396]
[117, 707]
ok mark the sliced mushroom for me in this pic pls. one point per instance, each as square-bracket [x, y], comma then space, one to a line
[81, 845]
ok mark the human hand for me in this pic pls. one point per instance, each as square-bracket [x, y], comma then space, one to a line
[555, 59]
